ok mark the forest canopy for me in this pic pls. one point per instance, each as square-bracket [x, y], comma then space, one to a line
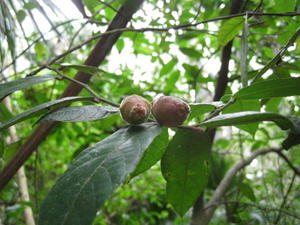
[119, 112]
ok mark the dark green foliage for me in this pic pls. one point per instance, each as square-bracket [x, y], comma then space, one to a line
[270, 89]
[183, 63]
[9, 87]
[153, 153]
[93, 176]
[186, 166]
[248, 117]
[41, 109]
[80, 113]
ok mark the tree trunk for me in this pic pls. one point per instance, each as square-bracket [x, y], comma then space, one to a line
[199, 216]
[24, 196]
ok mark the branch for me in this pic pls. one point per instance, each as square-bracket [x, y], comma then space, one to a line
[290, 164]
[31, 44]
[264, 208]
[278, 56]
[285, 198]
[21, 175]
[224, 184]
[85, 86]
[220, 109]
[249, 13]
[95, 58]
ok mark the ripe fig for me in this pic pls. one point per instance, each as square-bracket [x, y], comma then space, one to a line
[135, 109]
[170, 111]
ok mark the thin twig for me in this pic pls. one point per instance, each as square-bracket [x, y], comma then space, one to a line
[285, 198]
[220, 109]
[33, 19]
[277, 57]
[109, 6]
[290, 164]
[216, 111]
[85, 86]
[30, 45]
[224, 184]
[264, 208]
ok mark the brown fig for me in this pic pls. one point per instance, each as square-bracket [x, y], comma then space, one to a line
[170, 111]
[135, 109]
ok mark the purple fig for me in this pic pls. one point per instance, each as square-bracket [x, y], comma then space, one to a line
[170, 111]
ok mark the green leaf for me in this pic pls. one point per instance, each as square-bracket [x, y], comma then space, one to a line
[91, 5]
[21, 15]
[120, 44]
[167, 68]
[233, 119]
[185, 166]
[245, 105]
[11, 86]
[94, 175]
[144, 50]
[31, 5]
[191, 52]
[247, 190]
[5, 114]
[40, 49]
[153, 154]
[284, 5]
[11, 43]
[10, 151]
[270, 89]
[201, 108]
[41, 109]
[83, 68]
[229, 29]
[80, 113]
[171, 81]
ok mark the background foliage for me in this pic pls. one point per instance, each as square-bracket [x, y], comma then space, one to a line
[182, 62]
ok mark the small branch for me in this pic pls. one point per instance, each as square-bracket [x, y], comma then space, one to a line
[30, 45]
[224, 184]
[285, 198]
[264, 208]
[8, 203]
[290, 164]
[33, 19]
[108, 6]
[85, 86]
[249, 13]
[197, 129]
[21, 176]
[278, 56]
[219, 109]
